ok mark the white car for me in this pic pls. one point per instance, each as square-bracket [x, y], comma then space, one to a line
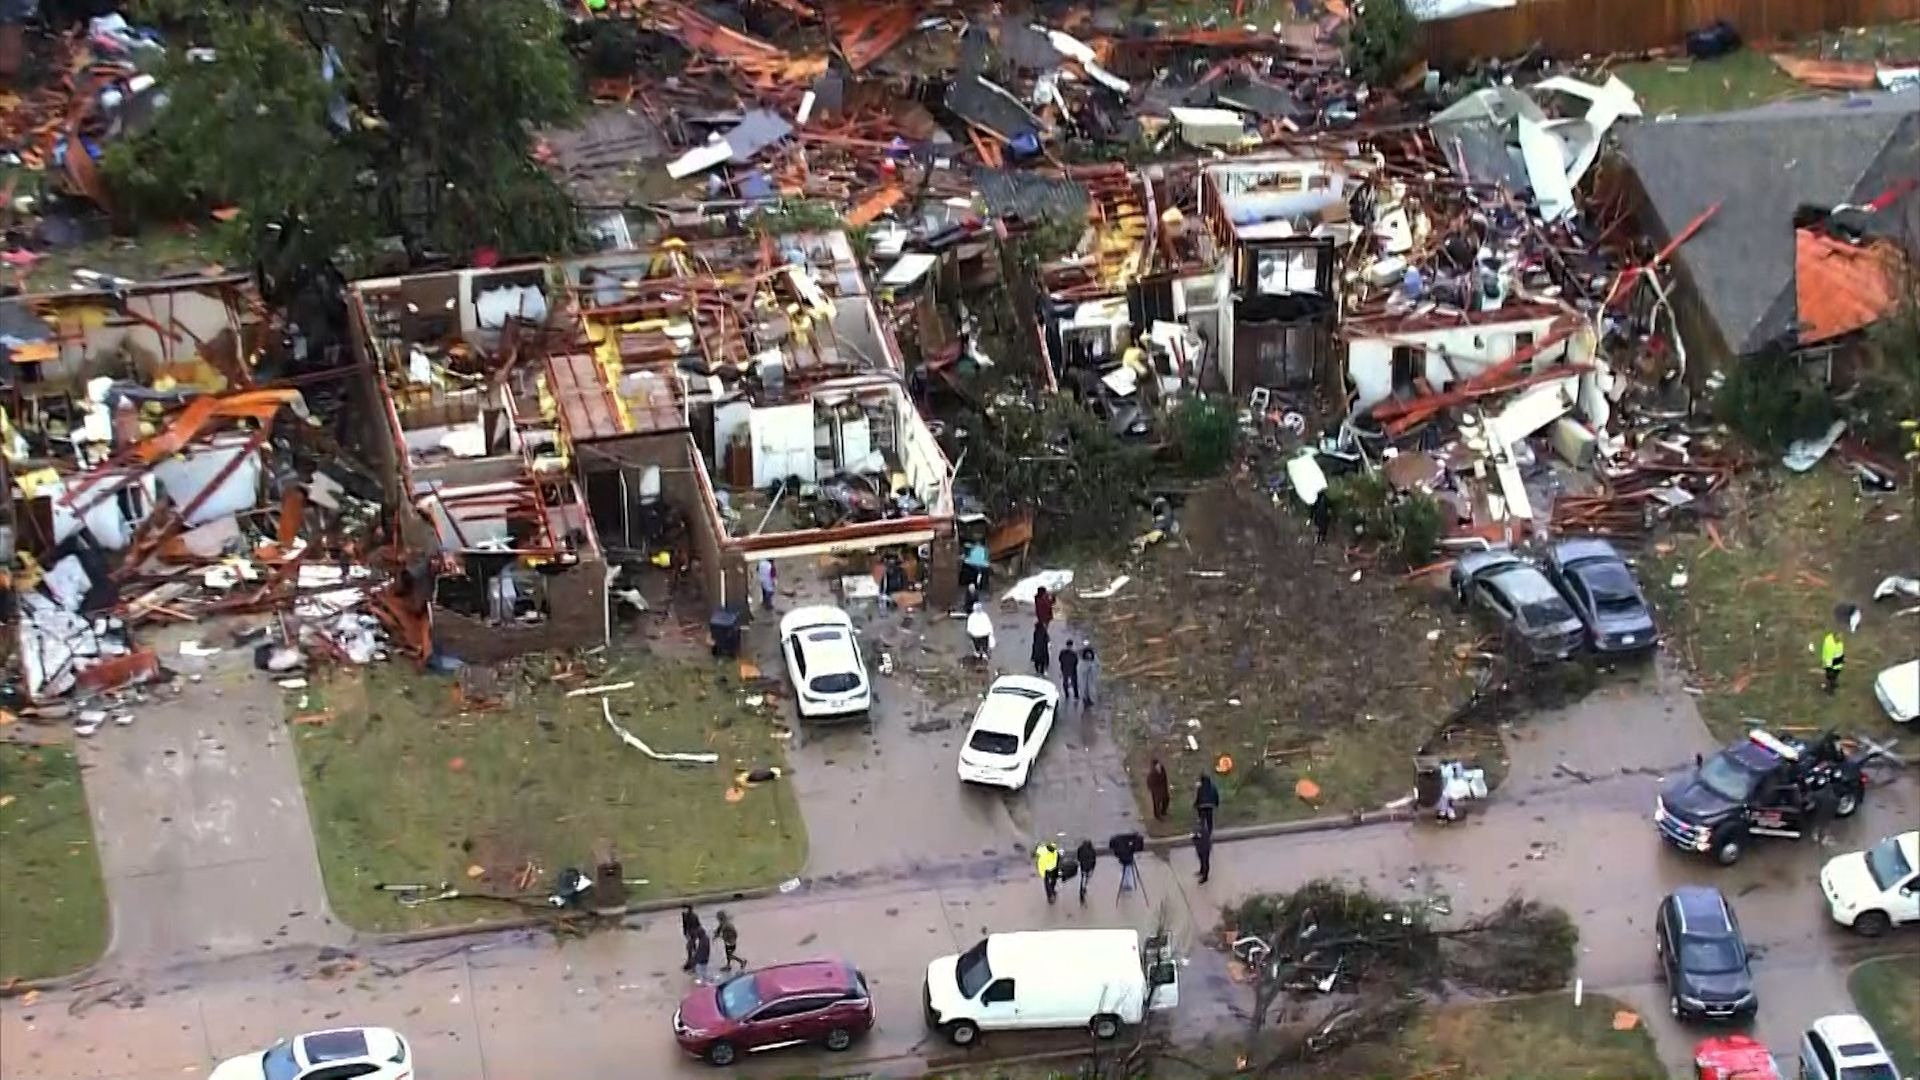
[1008, 730]
[823, 661]
[373, 1053]
[1844, 1048]
[1898, 689]
[1876, 889]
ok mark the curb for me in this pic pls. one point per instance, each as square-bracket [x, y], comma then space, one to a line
[1359, 819]
[528, 922]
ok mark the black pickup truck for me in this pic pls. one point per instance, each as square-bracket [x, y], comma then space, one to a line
[1760, 786]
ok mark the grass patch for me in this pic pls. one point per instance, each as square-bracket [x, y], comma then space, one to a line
[53, 904]
[1889, 997]
[1750, 616]
[405, 786]
[1749, 77]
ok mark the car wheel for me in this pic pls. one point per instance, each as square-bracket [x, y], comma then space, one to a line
[721, 1054]
[962, 1032]
[1727, 852]
[838, 1039]
[1105, 1027]
[1849, 803]
[1872, 923]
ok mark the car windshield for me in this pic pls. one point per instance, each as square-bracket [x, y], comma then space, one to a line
[1709, 956]
[1725, 778]
[972, 972]
[838, 682]
[1888, 864]
[278, 1064]
[994, 742]
[1877, 1071]
[738, 997]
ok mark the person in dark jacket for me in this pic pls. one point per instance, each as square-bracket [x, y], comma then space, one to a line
[1041, 656]
[1042, 608]
[689, 928]
[1070, 671]
[702, 956]
[1158, 789]
[1086, 855]
[1126, 848]
[1203, 850]
[1206, 799]
[1321, 514]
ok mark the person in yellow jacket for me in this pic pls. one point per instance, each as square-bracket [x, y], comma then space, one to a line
[1046, 859]
[1833, 657]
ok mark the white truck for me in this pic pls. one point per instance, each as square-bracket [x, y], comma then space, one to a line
[1093, 979]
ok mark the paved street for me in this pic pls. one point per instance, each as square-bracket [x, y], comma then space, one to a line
[515, 1005]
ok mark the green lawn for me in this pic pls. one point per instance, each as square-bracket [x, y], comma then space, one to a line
[405, 787]
[1888, 994]
[53, 907]
[1749, 77]
[1749, 617]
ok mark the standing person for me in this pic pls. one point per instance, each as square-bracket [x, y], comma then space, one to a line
[1833, 657]
[729, 936]
[1321, 514]
[1046, 860]
[1159, 790]
[1126, 848]
[702, 956]
[767, 581]
[1203, 850]
[1042, 608]
[1089, 673]
[1070, 671]
[1823, 805]
[980, 630]
[1206, 799]
[1086, 855]
[1040, 657]
[689, 929]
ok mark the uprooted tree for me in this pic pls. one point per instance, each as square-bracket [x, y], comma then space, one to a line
[356, 126]
[1372, 961]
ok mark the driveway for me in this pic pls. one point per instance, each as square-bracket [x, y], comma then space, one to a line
[202, 823]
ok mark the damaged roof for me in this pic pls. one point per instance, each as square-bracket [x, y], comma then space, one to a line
[1030, 196]
[1761, 165]
[1842, 287]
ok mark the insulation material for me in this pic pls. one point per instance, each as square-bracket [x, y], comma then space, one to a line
[493, 307]
[782, 440]
[186, 477]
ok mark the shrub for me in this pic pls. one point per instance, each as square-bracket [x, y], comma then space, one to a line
[1203, 434]
[1770, 401]
[1381, 40]
[1407, 525]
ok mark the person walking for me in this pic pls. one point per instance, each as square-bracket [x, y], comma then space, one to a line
[702, 956]
[1833, 657]
[767, 581]
[1321, 514]
[980, 631]
[1070, 671]
[1823, 805]
[1158, 790]
[1203, 850]
[1089, 673]
[1042, 608]
[1206, 800]
[729, 936]
[1086, 855]
[1040, 657]
[1126, 848]
[689, 928]
[1046, 860]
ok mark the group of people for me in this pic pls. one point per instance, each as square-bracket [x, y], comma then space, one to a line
[1206, 801]
[700, 944]
[1079, 663]
[1054, 866]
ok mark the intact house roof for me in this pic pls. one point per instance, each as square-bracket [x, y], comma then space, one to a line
[1762, 165]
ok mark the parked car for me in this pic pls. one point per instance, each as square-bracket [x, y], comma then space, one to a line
[365, 1053]
[823, 661]
[1733, 1057]
[1091, 979]
[1762, 785]
[1703, 955]
[816, 1002]
[1844, 1048]
[1898, 689]
[1876, 889]
[1604, 594]
[1007, 732]
[1518, 595]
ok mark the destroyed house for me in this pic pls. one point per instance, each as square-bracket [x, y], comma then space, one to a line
[561, 429]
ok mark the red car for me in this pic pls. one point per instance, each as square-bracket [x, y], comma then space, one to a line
[1733, 1057]
[816, 1001]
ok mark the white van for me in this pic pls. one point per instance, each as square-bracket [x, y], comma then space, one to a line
[1096, 979]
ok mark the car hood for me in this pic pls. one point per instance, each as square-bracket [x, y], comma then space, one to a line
[1727, 986]
[700, 1011]
[943, 992]
[1848, 878]
[1685, 796]
[244, 1067]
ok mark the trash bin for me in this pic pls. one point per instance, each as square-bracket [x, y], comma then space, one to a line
[1427, 780]
[724, 629]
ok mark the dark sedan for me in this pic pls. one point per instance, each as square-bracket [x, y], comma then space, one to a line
[1703, 956]
[1535, 617]
[1604, 594]
[818, 1002]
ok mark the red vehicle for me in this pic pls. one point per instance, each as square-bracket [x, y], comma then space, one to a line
[1733, 1057]
[816, 1001]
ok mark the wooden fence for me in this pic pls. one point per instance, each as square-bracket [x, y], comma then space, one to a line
[1572, 28]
